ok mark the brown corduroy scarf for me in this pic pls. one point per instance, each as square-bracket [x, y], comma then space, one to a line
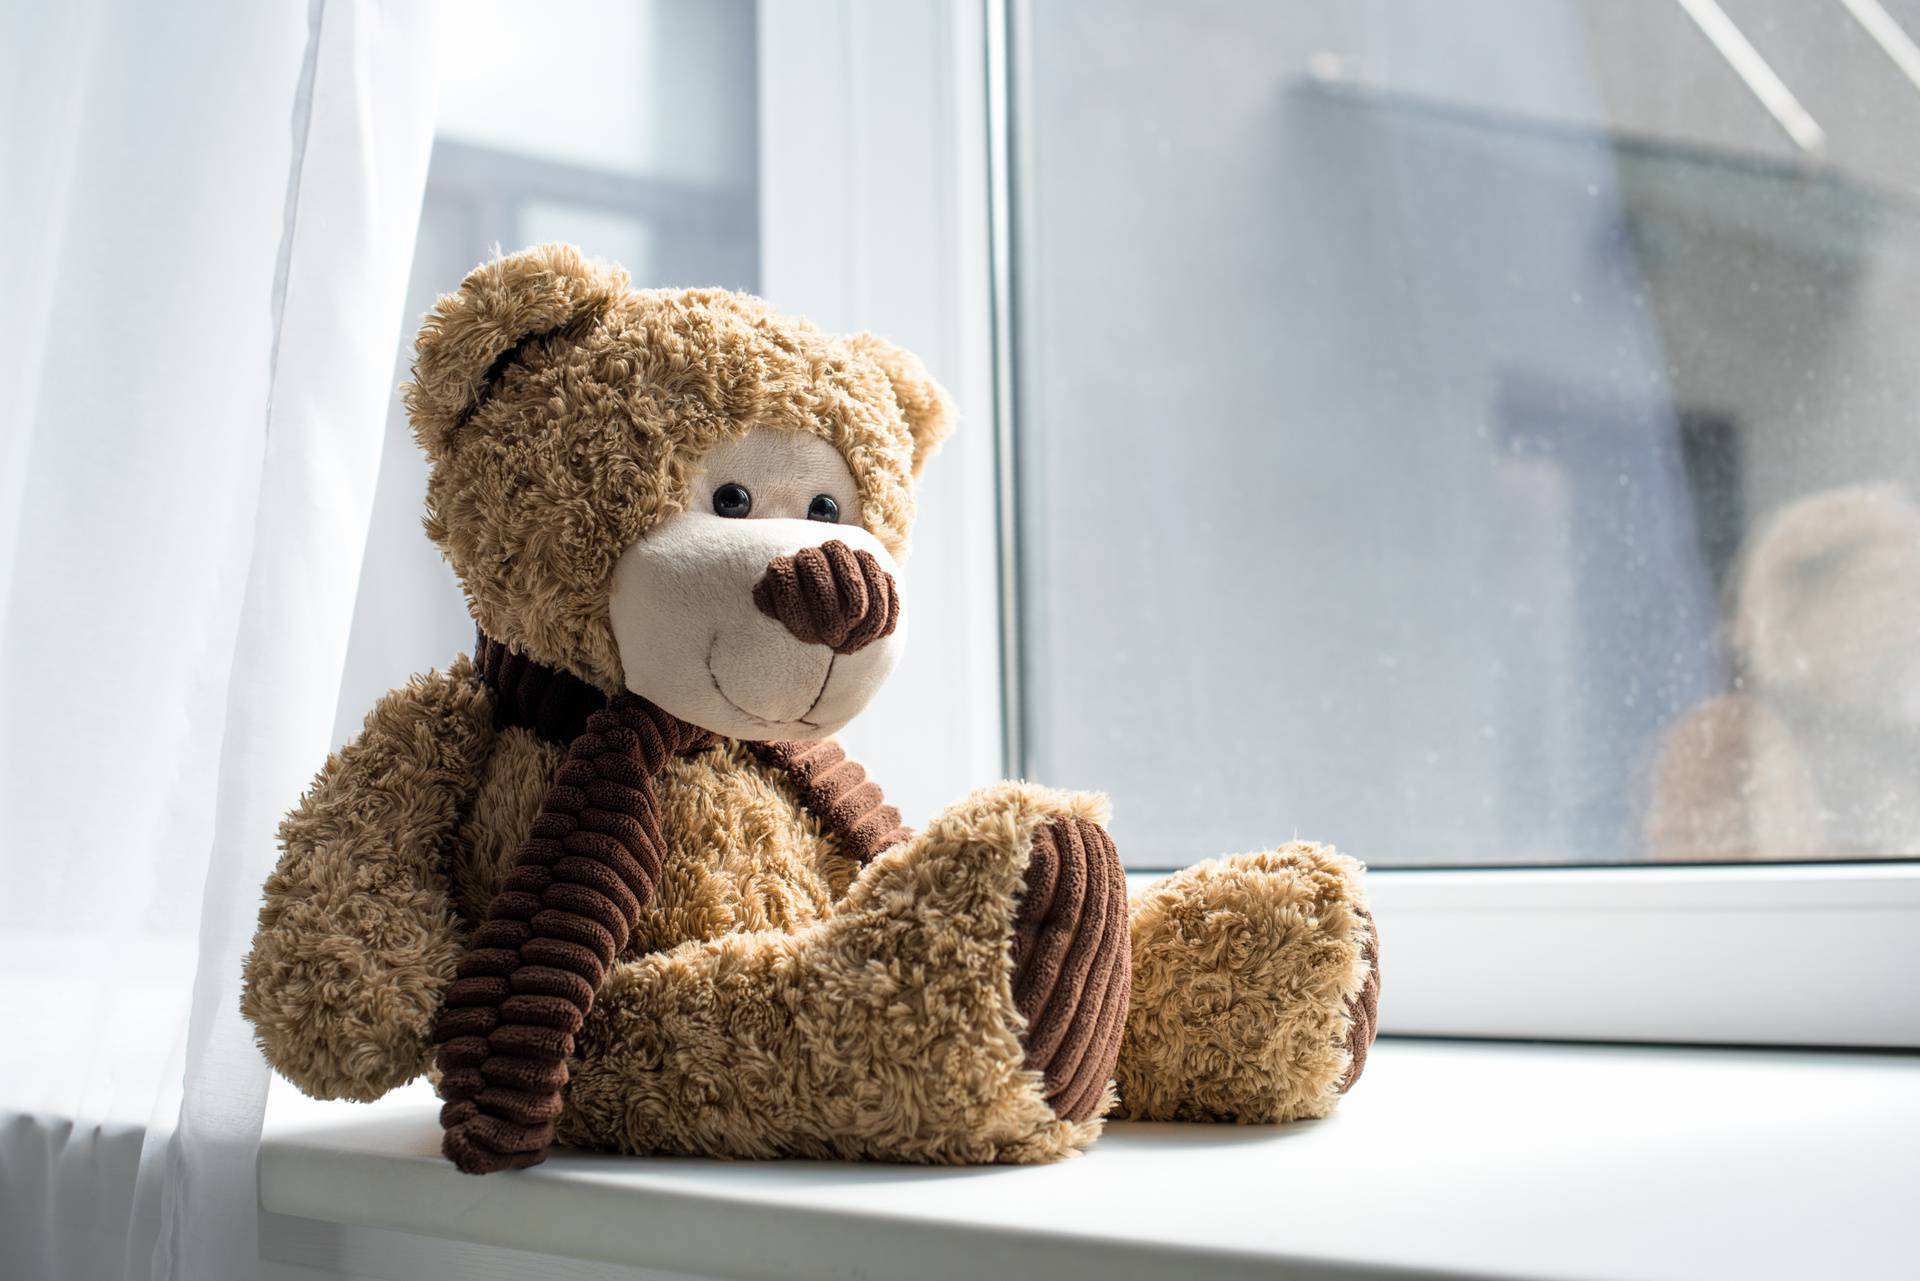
[586, 871]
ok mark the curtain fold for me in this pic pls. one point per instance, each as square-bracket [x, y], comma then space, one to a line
[207, 223]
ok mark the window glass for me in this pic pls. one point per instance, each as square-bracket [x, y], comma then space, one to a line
[1472, 433]
[627, 127]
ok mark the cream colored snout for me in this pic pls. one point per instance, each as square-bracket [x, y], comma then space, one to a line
[694, 640]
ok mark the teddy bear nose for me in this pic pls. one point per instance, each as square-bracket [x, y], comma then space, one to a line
[830, 595]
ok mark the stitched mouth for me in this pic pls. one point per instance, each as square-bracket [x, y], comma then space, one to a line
[714, 680]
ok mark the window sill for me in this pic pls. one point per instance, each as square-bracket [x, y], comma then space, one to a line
[1451, 1158]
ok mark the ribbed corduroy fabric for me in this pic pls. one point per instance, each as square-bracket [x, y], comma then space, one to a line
[838, 792]
[1073, 962]
[528, 980]
[830, 595]
[588, 868]
[1364, 1009]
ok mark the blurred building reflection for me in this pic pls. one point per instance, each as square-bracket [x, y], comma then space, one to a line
[1815, 752]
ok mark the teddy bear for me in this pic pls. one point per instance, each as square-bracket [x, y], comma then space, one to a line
[1812, 753]
[612, 881]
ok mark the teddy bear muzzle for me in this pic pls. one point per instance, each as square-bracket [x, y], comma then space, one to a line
[832, 595]
[761, 629]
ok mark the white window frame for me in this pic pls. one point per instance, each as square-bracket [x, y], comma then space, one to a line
[885, 205]
[872, 183]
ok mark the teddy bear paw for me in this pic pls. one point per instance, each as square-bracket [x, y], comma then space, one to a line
[1256, 985]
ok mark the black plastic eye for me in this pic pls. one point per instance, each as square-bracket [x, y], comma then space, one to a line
[732, 500]
[824, 508]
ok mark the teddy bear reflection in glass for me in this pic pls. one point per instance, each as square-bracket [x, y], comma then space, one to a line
[610, 878]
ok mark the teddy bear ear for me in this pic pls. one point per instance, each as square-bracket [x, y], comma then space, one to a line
[929, 411]
[474, 333]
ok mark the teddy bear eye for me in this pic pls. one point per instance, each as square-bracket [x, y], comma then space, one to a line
[732, 500]
[824, 508]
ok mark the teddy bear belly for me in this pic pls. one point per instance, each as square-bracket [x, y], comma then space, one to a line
[765, 865]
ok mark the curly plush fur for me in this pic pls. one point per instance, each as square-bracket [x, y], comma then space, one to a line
[358, 936]
[775, 996]
[887, 1030]
[1245, 971]
[743, 854]
[546, 467]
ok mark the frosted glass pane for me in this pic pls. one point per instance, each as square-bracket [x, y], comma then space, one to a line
[1472, 433]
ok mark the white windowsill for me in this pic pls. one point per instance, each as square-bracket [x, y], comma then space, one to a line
[1451, 1158]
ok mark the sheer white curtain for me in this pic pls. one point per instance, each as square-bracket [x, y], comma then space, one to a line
[206, 218]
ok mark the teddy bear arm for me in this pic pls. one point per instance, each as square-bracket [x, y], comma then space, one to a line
[358, 936]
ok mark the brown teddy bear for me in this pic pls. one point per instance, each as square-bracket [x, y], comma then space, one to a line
[1816, 751]
[610, 875]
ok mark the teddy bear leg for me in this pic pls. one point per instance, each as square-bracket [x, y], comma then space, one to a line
[964, 1003]
[1256, 985]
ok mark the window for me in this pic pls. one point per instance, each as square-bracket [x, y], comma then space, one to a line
[1517, 406]
[1484, 436]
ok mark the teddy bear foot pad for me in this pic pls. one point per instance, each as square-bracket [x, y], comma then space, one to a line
[1070, 962]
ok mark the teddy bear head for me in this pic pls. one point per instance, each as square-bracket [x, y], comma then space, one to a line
[680, 493]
